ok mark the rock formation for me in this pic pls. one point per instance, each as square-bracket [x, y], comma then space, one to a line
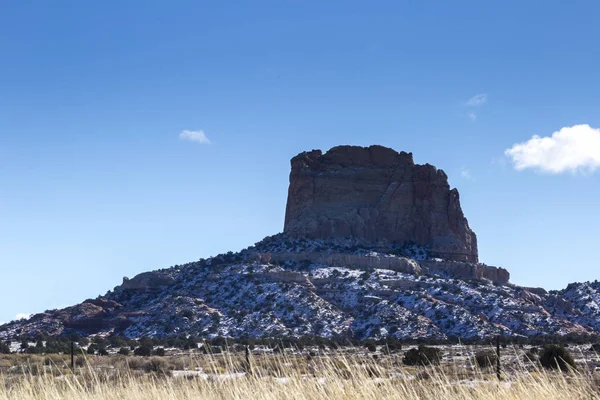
[467, 270]
[355, 261]
[344, 267]
[375, 194]
[147, 281]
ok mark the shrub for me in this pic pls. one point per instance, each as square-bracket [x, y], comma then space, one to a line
[124, 351]
[143, 351]
[117, 341]
[485, 359]
[4, 348]
[159, 352]
[157, 365]
[189, 314]
[135, 363]
[57, 345]
[556, 357]
[422, 355]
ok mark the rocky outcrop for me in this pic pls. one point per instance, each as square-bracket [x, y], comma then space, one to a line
[91, 315]
[147, 281]
[467, 270]
[86, 316]
[529, 297]
[104, 303]
[375, 194]
[349, 260]
[458, 269]
[559, 305]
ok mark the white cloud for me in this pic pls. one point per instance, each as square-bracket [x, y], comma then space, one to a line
[195, 136]
[573, 148]
[477, 100]
[466, 174]
[22, 316]
[473, 116]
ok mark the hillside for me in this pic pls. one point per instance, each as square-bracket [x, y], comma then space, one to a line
[373, 246]
[246, 294]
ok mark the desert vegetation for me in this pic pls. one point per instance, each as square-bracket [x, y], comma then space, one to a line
[415, 372]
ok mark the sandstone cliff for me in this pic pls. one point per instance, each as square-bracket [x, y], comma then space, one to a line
[375, 194]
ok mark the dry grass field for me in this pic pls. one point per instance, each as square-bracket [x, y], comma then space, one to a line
[336, 375]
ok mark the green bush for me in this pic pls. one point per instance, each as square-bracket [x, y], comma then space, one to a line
[555, 356]
[143, 351]
[485, 359]
[422, 355]
[4, 348]
[117, 341]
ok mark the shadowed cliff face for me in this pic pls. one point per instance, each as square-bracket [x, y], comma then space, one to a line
[375, 194]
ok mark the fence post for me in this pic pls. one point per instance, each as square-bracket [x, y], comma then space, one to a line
[498, 356]
[248, 361]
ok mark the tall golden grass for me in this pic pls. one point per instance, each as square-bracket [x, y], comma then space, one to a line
[287, 377]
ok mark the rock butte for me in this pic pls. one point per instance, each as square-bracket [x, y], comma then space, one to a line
[377, 195]
[356, 278]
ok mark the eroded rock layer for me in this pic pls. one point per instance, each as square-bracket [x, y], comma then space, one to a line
[375, 194]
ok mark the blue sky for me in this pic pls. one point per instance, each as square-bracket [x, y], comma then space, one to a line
[97, 181]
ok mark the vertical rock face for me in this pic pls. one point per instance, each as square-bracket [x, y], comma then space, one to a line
[375, 194]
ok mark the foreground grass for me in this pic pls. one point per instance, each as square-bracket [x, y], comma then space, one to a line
[358, 387]
[283, 377]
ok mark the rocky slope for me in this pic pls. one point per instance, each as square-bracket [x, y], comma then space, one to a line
[249, 294]
[374, 246]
